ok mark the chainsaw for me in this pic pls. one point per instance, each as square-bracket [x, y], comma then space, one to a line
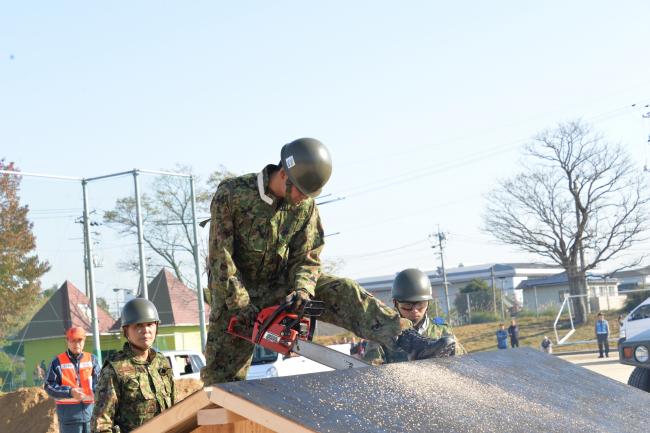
[281, 329]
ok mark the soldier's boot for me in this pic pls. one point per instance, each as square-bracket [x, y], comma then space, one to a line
[419, 347]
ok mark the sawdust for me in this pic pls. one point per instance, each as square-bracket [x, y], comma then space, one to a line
[31, 410]
[28, 410]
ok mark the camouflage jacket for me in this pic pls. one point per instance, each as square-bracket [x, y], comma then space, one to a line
[261, 247]
[131, 392]
[379, 354]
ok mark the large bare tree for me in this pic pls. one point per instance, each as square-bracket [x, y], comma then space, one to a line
[167, 221]
[579, 202]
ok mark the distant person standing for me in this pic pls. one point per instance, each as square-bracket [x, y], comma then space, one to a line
[602, 335]
[71, 381]
[502, 337]
[547, 345]
[38, 375]
[513, 331]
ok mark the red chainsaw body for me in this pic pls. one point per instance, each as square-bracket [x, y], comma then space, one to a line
[280, 334]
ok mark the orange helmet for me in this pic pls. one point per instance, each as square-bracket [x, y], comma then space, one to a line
[75, 332]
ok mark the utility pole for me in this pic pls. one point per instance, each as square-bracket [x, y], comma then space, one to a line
[441, 237]
[80, 220]
[494, 290]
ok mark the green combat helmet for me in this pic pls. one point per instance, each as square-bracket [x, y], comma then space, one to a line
[308, 164]
[139, 310]
[411, 285]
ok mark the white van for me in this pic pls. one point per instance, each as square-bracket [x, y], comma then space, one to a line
[267, 363]
[186, 364]
[637, 321]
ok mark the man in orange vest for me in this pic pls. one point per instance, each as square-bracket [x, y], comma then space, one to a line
[71, 381]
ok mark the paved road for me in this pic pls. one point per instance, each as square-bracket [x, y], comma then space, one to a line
[609, 367]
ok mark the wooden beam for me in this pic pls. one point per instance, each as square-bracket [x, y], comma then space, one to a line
[238, 427]
[259, 415]
[180, 418]
[217, 416]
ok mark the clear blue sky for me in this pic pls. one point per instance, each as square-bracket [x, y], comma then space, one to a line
[448, 92]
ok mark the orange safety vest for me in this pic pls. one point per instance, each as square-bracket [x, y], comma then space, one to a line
[69, 377]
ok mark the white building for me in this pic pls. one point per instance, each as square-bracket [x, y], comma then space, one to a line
[549, 293]
[503, 276]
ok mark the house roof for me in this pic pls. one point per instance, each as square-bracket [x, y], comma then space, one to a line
[176, 303]
[639, 272]
[67, 307]
[561, 278]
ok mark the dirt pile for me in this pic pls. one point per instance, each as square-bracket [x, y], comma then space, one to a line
[185, 387]
[31, 410]
[28, 410]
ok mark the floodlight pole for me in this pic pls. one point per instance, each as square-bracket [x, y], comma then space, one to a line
[138, 215]
[197, 268]
[91, 275]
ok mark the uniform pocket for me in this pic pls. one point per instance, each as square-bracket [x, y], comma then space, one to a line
[145, 387]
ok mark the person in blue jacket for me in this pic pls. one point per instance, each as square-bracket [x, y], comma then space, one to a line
[502, 337]
[602, 335]
[71, 381]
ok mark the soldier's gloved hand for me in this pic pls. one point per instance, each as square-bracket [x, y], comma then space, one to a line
[298, 298]
[246, 318]
[238, 300]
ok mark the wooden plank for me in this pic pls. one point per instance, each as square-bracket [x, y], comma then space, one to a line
[217, 416]
[259, 415]
[181, 417]
[238, 427]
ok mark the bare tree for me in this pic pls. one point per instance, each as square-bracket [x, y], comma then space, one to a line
[579, 202]
[167, 221]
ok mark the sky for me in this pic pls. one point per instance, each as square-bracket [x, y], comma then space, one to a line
[424, 106]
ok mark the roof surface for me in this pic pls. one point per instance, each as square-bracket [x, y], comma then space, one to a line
[518, 391]
[67, 307]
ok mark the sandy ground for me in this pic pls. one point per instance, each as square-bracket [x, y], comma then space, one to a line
[609, 367]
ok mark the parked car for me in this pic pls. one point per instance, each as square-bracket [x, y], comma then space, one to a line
[186, 364]
[267, 363]
[634, 346]
[638, 320]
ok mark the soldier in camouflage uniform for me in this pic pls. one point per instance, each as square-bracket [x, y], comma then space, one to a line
[136, 383]
[265, 240]
[411, 294]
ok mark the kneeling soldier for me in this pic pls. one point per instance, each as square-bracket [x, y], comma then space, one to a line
[136, 383]
[411, 294]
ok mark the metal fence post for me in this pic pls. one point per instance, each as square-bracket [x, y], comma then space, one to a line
[138, 215]
[197, 268]
[91, 275]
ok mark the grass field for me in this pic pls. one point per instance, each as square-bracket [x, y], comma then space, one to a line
[476, 338]
[481, 337]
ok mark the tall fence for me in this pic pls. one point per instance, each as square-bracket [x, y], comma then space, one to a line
[67, 213]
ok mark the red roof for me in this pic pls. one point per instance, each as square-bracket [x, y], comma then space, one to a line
[176, 303]
[67, 307]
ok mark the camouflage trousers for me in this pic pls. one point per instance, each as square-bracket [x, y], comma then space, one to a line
[347, 305]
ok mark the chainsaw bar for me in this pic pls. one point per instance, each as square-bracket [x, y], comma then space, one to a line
[326, 356]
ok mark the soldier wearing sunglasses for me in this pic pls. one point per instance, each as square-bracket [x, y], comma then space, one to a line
[411, 293]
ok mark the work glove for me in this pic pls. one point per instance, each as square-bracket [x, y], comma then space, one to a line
[246, 317]
[298, 298]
